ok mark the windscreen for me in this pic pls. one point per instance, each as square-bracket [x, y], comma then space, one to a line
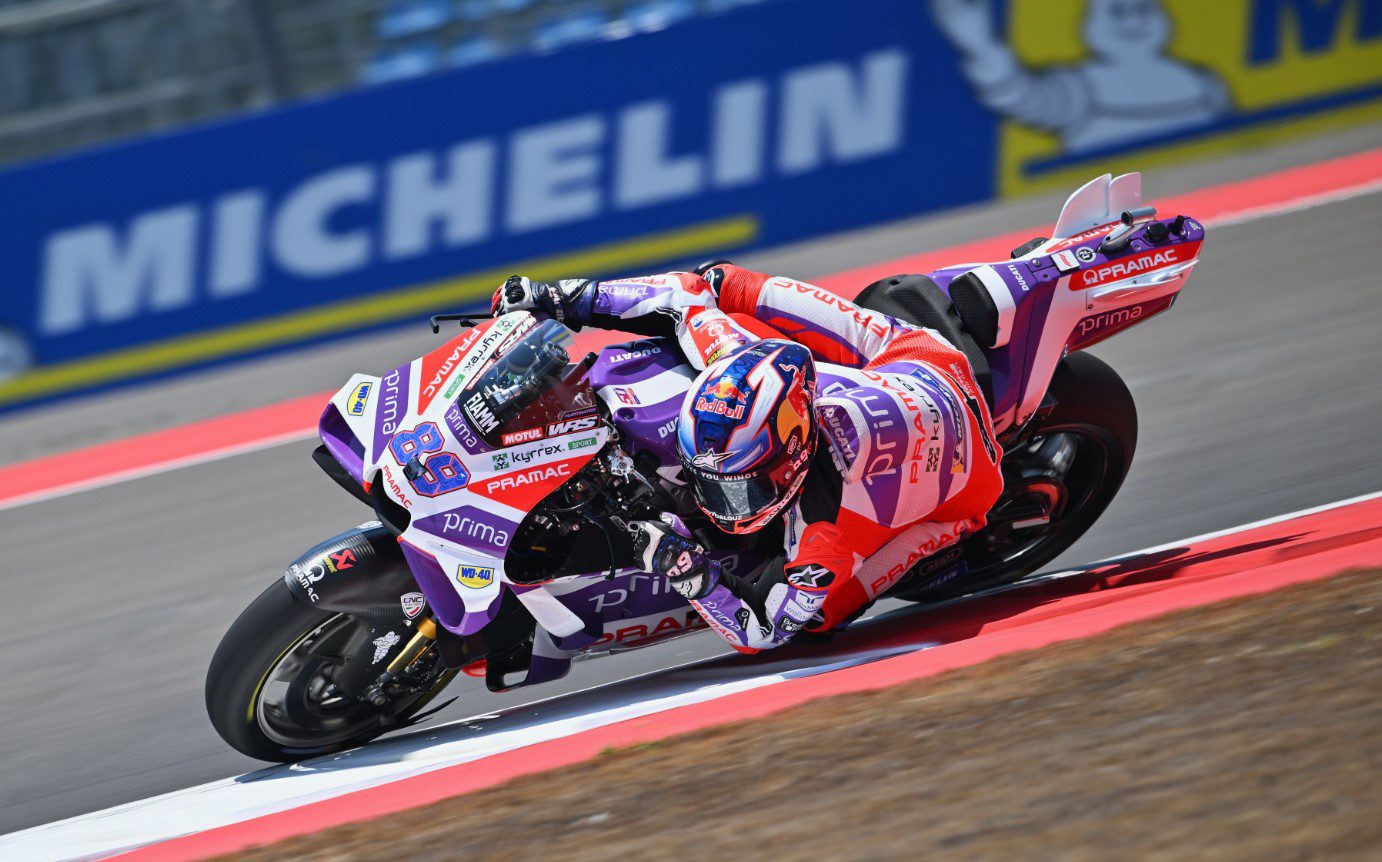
[530, 390]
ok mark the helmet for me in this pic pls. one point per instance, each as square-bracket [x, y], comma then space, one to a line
[747, 432]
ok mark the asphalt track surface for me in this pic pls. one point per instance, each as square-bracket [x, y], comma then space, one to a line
[1258, 395]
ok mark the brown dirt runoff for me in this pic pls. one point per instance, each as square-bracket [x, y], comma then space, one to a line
[1246, 730]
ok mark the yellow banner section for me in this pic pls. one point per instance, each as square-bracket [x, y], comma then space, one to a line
[1088, 86]
[439, 296]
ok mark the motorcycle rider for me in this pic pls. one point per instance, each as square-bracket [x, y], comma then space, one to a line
[908, 464]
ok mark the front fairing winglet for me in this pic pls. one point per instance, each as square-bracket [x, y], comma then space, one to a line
[346, 423]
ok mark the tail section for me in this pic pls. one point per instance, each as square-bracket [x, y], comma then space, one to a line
[1110, 264]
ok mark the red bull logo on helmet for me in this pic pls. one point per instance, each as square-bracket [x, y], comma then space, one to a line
[726, 389]
[723, 398]
[706, 405]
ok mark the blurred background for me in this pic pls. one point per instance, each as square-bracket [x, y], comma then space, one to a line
[188, 183]
[75, 73]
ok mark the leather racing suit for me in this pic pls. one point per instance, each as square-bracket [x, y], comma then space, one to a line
[910, 465]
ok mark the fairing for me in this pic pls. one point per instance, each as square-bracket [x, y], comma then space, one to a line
[642, 383]
[465, 477]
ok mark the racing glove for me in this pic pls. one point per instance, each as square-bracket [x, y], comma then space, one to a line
[749, 617]
[666, 547]
[560, 300]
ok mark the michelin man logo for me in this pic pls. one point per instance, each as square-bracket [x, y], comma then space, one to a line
[1128, 90]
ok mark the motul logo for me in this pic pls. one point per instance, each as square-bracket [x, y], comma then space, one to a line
[1130, 267]
[522, 436]
[528, 477]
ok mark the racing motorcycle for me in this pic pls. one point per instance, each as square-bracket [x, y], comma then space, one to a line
[502, 474]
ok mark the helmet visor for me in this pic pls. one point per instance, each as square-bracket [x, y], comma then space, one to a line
[733, 498]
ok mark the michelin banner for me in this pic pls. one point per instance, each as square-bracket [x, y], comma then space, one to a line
[777, 122]
[774, 123]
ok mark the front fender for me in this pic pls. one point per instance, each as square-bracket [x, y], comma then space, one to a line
[361, 572]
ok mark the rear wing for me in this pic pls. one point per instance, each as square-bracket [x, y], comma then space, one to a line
[1098, 202]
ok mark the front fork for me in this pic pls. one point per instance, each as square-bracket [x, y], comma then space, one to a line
[362, 573]
[417, 648]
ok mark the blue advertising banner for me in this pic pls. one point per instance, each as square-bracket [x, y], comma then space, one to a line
[773, 123]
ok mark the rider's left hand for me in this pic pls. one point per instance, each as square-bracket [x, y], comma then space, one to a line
[665, 547]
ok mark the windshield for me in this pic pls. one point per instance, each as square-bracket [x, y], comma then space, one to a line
[529, 389]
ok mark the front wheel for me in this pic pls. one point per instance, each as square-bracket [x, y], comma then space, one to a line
[269, 690]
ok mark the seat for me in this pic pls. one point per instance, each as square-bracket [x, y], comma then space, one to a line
[976, 308]
[917, 299]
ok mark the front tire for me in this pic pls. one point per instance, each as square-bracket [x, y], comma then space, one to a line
[268, 687]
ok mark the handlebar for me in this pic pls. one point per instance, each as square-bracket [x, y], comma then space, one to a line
[465, 320]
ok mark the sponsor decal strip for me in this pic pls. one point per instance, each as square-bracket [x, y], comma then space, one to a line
[1247, 560]
[28, 482]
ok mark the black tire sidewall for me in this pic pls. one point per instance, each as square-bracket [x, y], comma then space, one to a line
[253, 644]
[1090, 398]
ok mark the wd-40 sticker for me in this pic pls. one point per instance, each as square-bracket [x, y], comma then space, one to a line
[359, 399]
[474, 577]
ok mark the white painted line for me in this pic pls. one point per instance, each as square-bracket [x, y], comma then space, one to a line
[1156, 549]
[232, 800]
[1265, 522]
[1297, 205]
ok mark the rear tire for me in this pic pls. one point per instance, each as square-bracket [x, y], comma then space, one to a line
[275, 629]
[1094, 426]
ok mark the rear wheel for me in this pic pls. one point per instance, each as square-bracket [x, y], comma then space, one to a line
[1058, 479]
[269, 690]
